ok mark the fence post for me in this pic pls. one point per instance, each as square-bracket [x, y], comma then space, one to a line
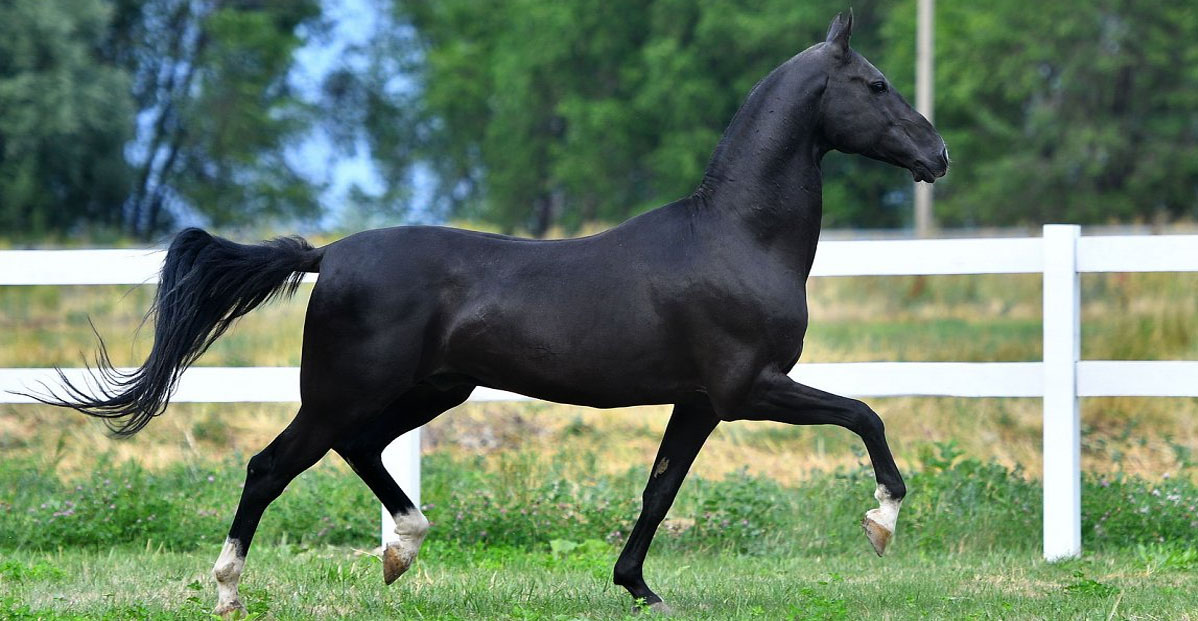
[402, 460]
[1062, 432]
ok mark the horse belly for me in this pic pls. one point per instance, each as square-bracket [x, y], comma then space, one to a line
[556, 358]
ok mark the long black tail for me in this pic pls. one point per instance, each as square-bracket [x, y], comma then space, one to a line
[207, 283]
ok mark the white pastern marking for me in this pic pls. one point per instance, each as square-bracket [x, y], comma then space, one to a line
[411, 529]
[886, 515]
[227, 572]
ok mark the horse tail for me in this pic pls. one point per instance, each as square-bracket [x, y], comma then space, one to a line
[207, 283]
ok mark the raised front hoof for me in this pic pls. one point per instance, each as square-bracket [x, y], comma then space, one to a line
[231, 610]
[656, 608]
[396, 561]
[879, 536]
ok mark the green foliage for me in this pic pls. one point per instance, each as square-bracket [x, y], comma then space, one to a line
[743, 512]
[120, 114]
[954, 503]
[522, 509]
[232, 166]
[1174, 556]
[1129, 510]
[814, 606]
[538, 113]
[1089, 586]
[211, 82]
[1068, 111]
[16, 571]
[542, 113]
[180, 508]
[531, 114]
[65, 115]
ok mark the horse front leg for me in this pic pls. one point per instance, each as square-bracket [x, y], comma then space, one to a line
[688, 429]
[778, 398]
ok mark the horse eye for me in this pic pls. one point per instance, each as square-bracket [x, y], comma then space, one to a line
[878, 87]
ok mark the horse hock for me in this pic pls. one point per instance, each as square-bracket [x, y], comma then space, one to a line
[879, 523]
[411, 529]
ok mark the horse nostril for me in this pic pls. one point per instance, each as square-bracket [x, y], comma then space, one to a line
[944, 156]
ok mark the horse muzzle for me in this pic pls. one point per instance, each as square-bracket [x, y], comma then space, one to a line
[931, 171]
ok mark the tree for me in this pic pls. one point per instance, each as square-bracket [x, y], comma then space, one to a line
[65, 115]
[537, 113]
[1067, 111]
[128, 112]
[211, 80]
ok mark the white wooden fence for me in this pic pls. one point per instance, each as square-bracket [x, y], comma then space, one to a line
[1061, 379]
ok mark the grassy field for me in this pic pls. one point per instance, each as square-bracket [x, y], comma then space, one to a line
[92, 527]
[518, 536]
[336, 583]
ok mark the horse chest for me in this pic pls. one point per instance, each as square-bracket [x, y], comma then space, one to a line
[762, 310]
[783, 332]
[780, 299]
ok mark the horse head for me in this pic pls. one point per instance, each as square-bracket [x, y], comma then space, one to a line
[862, 113]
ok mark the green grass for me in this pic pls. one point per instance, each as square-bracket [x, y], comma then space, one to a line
[525, 535]
[286, 582]
[521, 500]
[515, 536]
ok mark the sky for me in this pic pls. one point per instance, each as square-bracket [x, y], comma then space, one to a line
[352, 23]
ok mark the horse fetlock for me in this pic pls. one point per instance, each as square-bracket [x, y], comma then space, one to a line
[227, 572]
[879, 524]
[410, 530]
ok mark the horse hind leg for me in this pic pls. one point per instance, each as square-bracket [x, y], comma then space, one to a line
[332, 409]
[363, 452]
[296, 449]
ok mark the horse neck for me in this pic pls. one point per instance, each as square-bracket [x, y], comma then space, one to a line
[765, 173]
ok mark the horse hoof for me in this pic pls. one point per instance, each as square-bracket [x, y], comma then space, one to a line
[879, 536]
[230, 611]
[396, 560]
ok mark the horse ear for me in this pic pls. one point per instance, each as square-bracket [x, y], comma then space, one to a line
[840, 31]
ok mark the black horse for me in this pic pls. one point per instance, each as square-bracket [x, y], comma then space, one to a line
[700, 304]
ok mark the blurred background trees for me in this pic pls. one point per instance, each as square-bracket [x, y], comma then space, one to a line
[125, 113]
[530, 115]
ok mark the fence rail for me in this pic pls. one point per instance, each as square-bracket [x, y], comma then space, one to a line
[1095, 378]
[1061, 379]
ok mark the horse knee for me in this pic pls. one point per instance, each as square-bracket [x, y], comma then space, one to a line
[865, 422]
